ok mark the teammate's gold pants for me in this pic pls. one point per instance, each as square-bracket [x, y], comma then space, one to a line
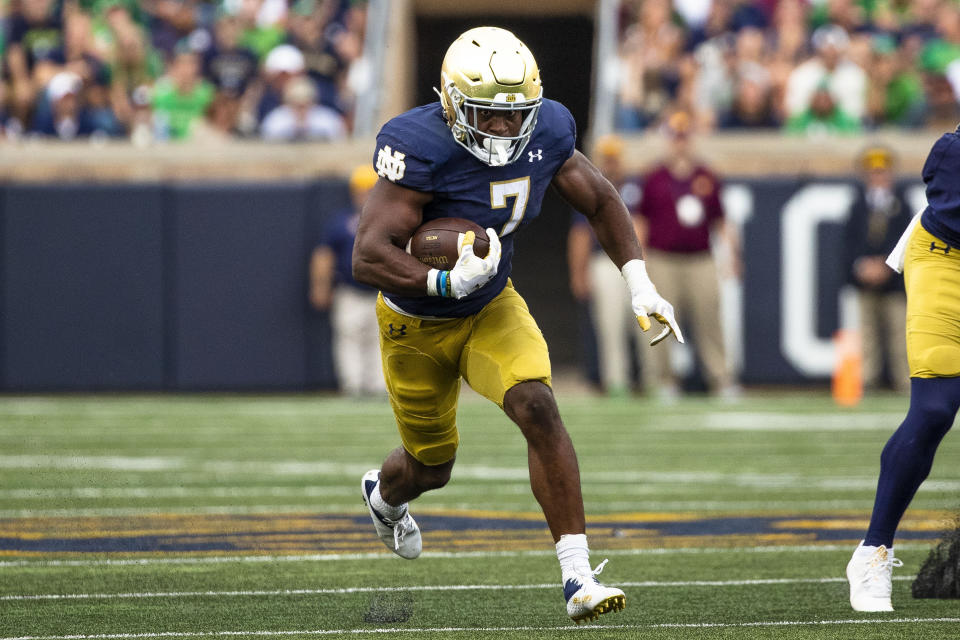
[932, 278]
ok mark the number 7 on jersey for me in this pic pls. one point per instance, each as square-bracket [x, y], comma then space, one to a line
[518, 188]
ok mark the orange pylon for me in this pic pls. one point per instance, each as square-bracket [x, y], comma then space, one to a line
[847, 384]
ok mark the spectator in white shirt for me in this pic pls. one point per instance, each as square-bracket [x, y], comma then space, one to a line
[300, 118]
[829, 67]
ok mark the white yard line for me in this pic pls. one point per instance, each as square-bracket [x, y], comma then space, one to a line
[761, 421]
[347, 505]
[447, 587]
[110, 463]
[462, 472]
[645, 485]
[100, 562]
[388, 630]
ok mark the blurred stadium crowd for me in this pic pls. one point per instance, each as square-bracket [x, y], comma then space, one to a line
[807, 67]
[290, 69]
[179, 69]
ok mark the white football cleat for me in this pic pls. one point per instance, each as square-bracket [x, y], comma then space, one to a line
[870, 573]
[402, 536]
[587, 599]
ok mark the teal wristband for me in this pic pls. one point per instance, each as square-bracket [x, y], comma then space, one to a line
[443, 284]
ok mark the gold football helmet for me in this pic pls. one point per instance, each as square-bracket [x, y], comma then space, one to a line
[488, 68]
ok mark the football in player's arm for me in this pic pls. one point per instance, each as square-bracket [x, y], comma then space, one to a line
[929, 256]
[486, 152]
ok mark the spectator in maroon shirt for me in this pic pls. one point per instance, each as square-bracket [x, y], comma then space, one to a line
[681, 210]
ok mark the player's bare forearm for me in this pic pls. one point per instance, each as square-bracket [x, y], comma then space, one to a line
[584, 187]
[389, 268]
[379, 257]
[616, 233]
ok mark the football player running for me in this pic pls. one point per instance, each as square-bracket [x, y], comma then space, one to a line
[486, 152]
[928, 254]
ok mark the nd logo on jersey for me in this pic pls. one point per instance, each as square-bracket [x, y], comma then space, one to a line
[390, 163]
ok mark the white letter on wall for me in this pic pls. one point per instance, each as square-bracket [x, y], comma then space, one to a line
[810, 354]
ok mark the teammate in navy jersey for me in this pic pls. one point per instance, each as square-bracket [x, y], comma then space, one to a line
[487, 152]
[928, 254]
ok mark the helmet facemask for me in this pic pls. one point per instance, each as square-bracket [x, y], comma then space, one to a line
[492, 149]
[489, 69]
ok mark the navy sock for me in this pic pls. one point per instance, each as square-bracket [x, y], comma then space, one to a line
[908, 454]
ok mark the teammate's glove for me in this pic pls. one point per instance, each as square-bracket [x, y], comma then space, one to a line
[647, 302]
[470, 273]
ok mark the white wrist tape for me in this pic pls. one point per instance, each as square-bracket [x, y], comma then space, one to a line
[432, 282]
[635, 273]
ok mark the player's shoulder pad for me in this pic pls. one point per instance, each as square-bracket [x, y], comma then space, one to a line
[556, 126]
[413, 146]
[944, 156]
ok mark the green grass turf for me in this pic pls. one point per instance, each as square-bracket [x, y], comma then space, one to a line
[772, 453]
[532, 607]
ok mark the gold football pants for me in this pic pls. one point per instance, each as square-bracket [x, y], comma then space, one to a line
[932, 278]
[424, 359]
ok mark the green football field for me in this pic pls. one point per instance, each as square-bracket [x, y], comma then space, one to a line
[222, 516]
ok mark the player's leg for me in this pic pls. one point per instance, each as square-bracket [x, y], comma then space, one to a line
[555, 480]
[506, 361]
[404, 478]
[554, 474]
[933, 347]
[908, 455]
[420, 360]
[904, 464]
[932, 280]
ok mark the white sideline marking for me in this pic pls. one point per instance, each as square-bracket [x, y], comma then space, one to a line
[907, 546]
[447, 587]
[591, 627]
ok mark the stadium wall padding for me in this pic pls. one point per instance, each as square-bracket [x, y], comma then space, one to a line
[203, 286]
[82, 287]
[239, 281]
[189, 286]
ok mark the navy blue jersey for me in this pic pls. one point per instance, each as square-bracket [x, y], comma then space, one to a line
[941, 172]
[416, 150]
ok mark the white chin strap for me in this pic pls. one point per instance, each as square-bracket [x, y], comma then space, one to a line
[499, 147]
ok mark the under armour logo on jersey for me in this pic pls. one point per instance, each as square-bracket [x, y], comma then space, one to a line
[398, 331]
[390, 163]
[945, 248]
[538, 155]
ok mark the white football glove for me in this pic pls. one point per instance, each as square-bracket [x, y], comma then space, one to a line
[470, 273]
[647, 302]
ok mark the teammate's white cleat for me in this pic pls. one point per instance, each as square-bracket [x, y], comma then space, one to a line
[587, 599]
[402, 536]
[870, 573]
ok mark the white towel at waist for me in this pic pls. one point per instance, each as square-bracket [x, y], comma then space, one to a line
[895, 259]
